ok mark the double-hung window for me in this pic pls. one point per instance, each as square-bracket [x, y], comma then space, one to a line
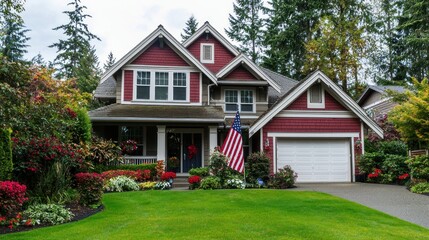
[152, 85]
[241, 100]
[143, 85]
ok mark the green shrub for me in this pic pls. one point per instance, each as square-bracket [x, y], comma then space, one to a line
[393, 148]
[369, 161]
[52, 214]
[284, 178]
[83, 127]
[121, 184]
[201, 172]
[419, 167]
[370, 146]
[6, 164]
[211, 183]
[257, 166]
[90, 188]
[420, 188]
[392, 167]
[104, 152]
[219, 167]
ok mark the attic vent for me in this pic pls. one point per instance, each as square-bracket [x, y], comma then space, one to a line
[207, 53]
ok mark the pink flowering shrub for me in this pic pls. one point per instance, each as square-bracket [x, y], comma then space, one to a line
[12, 197]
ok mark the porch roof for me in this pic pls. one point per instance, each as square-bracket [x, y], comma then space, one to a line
[151, 113]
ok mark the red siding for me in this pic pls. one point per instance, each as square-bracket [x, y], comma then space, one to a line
[330, 103]
[155, 55]
[128, 85]
[195, 87]
[240, 73]
[327, 125]
[222, 55]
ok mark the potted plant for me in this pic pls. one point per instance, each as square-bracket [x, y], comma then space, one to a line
[173, 163]
[128, 147]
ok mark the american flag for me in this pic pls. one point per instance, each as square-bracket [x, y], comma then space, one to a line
[233, 146]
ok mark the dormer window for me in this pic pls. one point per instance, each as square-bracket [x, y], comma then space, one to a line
[316, 96]
[207, 52]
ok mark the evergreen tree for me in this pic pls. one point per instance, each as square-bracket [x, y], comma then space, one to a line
[14, 40]
[290, 26]
[246, 27]
[414, 42]
[110, 61]
[339, 43]
[76, 57]
[12, 33]
[190, 29]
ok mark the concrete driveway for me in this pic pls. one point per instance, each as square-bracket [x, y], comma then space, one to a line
[391, 199]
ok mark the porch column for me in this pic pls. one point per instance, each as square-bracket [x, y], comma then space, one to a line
[212, 138]
[161, 143]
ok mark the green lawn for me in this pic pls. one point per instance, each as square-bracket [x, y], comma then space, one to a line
[230, 214]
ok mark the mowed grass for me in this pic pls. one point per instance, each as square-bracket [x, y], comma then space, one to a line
[230, 214]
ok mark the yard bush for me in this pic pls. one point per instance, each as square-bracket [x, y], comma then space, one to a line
[201, 172]
[104, 152]
[393, 147]
[121, 184]
[136, 175]
[284, 178]
[419, 167]
[147, 185]
[142, 167]
[210, 183]
[257, 166]
[420, 188]
[369, 161]
[163, 185]
[219, 167]
[6, 165]
[90, 188]
[392, 167]
[235, 183]
[194, 182]
[12, 197]
[51, 214]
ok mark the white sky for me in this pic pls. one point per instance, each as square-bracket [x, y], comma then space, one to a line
[120, 24]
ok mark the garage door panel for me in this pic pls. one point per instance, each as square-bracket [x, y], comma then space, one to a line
[316, 160]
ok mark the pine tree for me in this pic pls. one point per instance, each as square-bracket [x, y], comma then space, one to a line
[290, 26]
[110, 61]
[414, 42]
[12, 31]
[14, 40]
[190, 29]
[246, 27]
[76, 57]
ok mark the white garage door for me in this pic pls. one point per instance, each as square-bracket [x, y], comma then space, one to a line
[316, 160]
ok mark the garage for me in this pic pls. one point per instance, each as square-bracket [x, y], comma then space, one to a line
[316, 160]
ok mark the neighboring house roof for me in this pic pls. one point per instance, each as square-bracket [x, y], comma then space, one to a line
[379, 89]
[299, 89]
[160, 32]
[207, 28]
[161, 113]
[106, 89]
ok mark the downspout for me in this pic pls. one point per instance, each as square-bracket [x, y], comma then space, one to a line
[208, 92]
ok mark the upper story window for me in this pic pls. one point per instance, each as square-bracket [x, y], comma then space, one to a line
[207, 53]
[162, 86]
[241, 100]
[316, 96]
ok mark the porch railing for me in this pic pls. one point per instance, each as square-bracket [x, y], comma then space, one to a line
[135, 160]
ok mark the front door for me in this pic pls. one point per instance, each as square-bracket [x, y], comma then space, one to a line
[184, 151]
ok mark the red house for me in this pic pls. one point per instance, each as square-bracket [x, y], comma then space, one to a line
[178, 100]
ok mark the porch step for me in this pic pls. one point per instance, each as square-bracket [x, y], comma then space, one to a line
[180, 182]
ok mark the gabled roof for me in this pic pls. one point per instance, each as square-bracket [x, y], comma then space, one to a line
[379, 89]
[299, 89]
[207, 28]
[159, 32]
[106, 89]
[241, 59]
[284, 82]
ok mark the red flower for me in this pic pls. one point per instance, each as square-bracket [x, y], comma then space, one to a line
[194, 179]
[168, 175]
[375, 174]
[404, 176]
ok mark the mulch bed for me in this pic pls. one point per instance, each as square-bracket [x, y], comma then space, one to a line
[80, 212]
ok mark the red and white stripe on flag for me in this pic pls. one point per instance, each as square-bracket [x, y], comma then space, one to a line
[233, 146]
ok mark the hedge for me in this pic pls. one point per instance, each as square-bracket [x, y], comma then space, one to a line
[6, 165]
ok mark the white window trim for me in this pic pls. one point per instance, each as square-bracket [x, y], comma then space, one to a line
[170, 86]
[315, 105]
[239, 100]
[202, 52]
